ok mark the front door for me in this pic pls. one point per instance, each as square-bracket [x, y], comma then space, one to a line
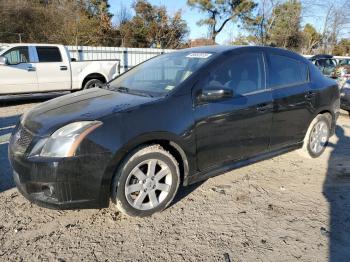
[238, 127]
[19, 75]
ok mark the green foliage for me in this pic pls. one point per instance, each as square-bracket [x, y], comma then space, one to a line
[83, 22]
[220, 12]
[153, 26]
[285, 25]
[342, 48]
[311, 39]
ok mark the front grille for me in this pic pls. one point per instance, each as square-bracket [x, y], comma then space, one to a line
[22, 139]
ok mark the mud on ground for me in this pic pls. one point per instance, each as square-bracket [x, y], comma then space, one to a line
[284, 209]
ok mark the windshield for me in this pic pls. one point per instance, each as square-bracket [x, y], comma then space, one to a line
[160, 75]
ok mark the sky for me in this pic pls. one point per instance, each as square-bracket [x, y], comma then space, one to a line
[191, 16]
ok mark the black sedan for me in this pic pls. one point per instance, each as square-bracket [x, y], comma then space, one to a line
[176, 119]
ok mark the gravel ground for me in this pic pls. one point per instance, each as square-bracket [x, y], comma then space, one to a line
[284, 209]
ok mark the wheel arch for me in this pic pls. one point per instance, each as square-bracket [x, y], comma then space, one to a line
[333, 116]
[168, 141]
[170, 145]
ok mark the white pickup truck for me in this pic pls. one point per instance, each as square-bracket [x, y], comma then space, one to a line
[42, 68]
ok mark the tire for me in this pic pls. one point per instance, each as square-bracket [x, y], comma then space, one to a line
[152, 189]
[312, 140]
[93, 83]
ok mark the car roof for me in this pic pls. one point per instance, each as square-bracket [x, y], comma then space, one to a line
[224, 48]
[211, 48]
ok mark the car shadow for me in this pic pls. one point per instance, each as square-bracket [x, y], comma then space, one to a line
[7, 124]
[336, 189]
[184, 191]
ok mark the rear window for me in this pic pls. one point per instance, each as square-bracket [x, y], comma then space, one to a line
[49, 54]
[285, 71]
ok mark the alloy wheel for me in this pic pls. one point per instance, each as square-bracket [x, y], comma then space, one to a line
[319, 137]
[148, 184]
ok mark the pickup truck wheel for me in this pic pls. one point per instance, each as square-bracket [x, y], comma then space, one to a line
[146, 182]
[317, 136]
[93, 83]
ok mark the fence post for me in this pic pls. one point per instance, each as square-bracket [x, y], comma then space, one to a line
[80, 54]
[125, 64]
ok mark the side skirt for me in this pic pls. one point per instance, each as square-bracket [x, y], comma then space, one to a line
[197, 177]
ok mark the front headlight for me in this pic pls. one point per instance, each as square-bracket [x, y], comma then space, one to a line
[65, 141]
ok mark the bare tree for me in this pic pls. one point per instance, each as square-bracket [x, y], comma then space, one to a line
[122, 15]
[219, 13]
[263, 21]
[336, 21]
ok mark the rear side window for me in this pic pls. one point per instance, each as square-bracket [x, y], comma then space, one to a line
[285, 71]
[48, 54]
[17, 55]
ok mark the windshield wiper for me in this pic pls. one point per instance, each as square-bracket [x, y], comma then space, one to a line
[140, 93]
[127, 90]
[123, 89]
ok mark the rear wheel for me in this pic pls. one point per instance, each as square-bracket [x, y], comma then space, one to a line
[317, 136]
[146, 182]
[92, 83]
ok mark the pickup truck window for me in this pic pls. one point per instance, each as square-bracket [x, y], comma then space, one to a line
[17, 55]
[48, 54]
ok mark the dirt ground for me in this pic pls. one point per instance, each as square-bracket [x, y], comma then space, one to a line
[284, 209]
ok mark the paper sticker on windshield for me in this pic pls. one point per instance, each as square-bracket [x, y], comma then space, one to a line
[199, 55]
[169, 88]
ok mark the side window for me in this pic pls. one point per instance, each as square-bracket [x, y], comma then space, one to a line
[17, 55]
[286, 71]
[243, 74]
[48, 54]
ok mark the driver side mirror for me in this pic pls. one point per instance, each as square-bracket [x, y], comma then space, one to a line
[213, 94]
[3, 61]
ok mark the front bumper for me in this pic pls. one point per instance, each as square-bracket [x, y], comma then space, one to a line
[64, 183]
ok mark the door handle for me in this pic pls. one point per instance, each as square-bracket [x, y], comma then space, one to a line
[31, 69]
[63, 68]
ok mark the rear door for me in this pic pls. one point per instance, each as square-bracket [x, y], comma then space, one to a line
[293, 99]
[19, 75]
[238, 127]
[53, 69]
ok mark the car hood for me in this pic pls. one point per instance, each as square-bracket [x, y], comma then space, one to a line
[92, 104]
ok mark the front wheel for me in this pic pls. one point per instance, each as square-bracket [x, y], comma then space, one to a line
[146, 182]
[317, 136]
